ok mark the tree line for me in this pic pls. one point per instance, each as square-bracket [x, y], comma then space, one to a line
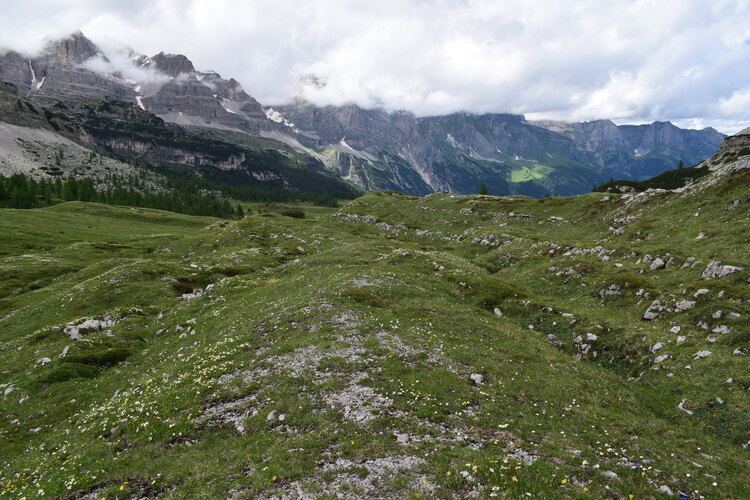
[20, 191]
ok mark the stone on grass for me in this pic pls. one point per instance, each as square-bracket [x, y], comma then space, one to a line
[554, 340]
[716, 270]
[657, 264]
[684, 305]
[666, 490]
[653, 310]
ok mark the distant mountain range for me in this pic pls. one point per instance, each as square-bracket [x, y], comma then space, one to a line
[372, 148]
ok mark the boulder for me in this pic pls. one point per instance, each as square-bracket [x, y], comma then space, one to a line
[658, 263]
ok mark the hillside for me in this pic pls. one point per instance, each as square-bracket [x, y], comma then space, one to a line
[113, 143]
[446, 346]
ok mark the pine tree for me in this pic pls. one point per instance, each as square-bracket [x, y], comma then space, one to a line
[483, 189]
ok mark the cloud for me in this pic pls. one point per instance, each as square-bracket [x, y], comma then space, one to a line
[681, 60]
[120, 64]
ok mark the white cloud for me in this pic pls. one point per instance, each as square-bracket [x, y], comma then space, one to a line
[119, 63]
[682, 60]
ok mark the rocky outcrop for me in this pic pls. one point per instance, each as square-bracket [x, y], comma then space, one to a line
[716, 270]
[639, 151]
[58, 74]
[736, 143]
[172, 65]
[15, 69]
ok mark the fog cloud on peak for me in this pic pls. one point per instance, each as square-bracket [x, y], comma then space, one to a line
[687, 61]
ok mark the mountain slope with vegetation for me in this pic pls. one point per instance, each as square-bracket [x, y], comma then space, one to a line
[117, 146]
[446, 346]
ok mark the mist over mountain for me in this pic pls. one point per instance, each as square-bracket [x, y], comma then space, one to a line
[372, 148]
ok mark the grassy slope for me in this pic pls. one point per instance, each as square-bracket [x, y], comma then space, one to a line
[358, 332]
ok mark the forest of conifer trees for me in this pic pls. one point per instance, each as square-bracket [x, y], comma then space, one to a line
[19, 191]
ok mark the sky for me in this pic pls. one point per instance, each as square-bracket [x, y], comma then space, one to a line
[632, 61]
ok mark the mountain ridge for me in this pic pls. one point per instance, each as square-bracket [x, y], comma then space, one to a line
[373, 148]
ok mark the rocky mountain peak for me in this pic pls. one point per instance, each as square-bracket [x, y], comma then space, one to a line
[74, 49]
[172, 64]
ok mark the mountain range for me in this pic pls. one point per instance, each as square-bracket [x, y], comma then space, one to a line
[373, 149]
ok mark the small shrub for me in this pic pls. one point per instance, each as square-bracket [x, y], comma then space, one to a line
[67, 371]
[367, 298]
[492, 294]
[104, 358]
[297, 214]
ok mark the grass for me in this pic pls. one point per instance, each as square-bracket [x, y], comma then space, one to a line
[365, 324]
[523, 173]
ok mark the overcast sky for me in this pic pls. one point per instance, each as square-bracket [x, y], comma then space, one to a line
[633, 61]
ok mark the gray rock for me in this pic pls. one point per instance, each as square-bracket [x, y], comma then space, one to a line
[271, 416]
[675, 329]
[43, 361]
[716, 315]
[739, 352]
[590, 337]
[477, 378]
[681, 406]
[608, 474]
[656, 346]
[661, 358]
[722, 329]
[497, 311]
[702, 354]
[554, 340]
[666, 490]
[702, 291]
[56, 329]
[715, 269]
[680, 339]
[658, 263]
[653, 310]
[401, 438]
[684, 305]
[612, 289]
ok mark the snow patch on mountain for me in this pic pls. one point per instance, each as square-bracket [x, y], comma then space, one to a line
[277, 117]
